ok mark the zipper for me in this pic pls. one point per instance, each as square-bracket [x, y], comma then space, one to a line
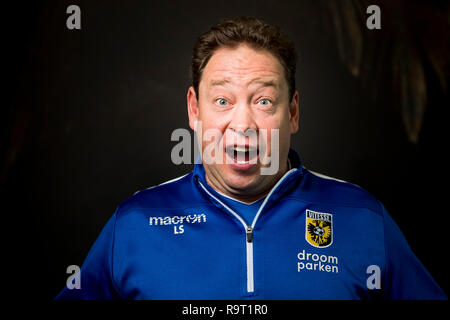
[249, 246]
[248, 237]
[249, 229]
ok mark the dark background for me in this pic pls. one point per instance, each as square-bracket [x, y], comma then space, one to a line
[90, 113]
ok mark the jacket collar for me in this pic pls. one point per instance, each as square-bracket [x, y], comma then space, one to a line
[283, 186]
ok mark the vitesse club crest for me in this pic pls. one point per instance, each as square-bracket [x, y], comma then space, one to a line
[319, 228]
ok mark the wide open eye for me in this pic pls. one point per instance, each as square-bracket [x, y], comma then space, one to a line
[222, 102]
[264, 102]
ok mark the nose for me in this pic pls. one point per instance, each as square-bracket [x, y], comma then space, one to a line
[242, 119]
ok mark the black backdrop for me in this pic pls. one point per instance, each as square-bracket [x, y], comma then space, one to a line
[91, 112]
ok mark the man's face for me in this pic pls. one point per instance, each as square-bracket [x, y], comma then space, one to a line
[243, 90]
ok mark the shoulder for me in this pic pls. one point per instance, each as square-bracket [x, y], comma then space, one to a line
[175, 193]
[319, 188]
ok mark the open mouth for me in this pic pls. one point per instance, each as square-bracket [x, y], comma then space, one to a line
[242, 154]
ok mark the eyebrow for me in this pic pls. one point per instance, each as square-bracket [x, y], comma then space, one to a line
[265, 83]
[219, 82]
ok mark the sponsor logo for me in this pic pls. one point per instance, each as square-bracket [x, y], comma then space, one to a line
[316, 262]
[319, 229]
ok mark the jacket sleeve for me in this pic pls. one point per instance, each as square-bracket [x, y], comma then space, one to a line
[96, 273]
[405, 276]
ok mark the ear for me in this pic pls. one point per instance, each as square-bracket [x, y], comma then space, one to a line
[192, 105]
[294, 112]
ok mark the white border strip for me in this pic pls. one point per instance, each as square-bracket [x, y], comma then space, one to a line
[170, 181]
[225, 206]
[270, 193]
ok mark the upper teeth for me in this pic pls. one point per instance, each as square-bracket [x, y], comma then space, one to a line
[240, 149]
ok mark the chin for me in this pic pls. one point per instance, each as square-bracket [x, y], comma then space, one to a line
[243, 182]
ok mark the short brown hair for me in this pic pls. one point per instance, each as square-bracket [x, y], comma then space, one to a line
[252, 31]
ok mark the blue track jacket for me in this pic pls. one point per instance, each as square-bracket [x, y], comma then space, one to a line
[313, 238]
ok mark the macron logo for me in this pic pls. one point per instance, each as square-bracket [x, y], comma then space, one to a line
[177, 221]
[164, 221]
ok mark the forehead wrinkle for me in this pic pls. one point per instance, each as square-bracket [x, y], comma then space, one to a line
[243, 66]
[262, 81]
[265, 82]
[246, 71]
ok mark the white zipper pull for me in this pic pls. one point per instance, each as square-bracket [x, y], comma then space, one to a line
[249, 234]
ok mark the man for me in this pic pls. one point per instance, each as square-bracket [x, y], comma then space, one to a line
[250, 222]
